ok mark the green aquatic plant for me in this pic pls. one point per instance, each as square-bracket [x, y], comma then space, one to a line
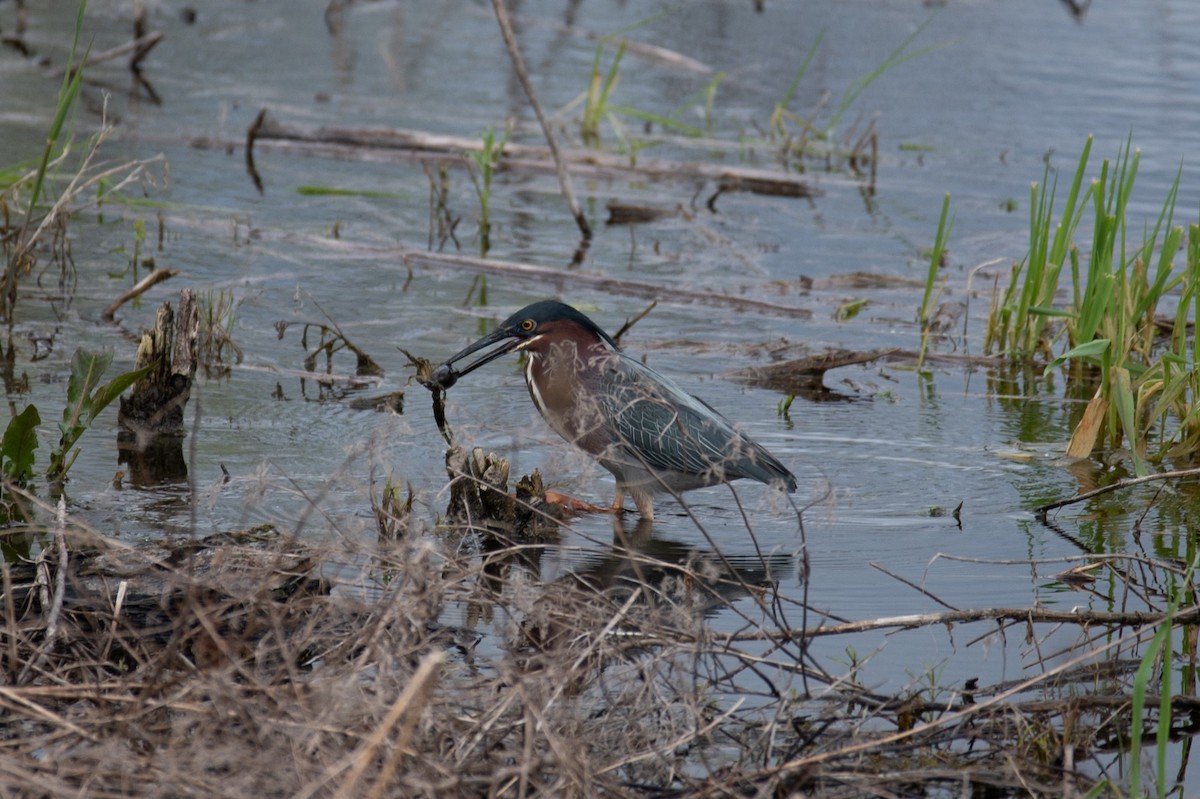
[86, 398]
[799, 136]
[598, 107]
[899, 55]
[936, 255]
[1017, 324]
[780, 115]
[599, 89]
[20, 258]
[1159, 656]
[485, 161]
[1109, 338]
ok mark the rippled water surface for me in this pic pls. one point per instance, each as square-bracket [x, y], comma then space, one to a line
[994, 93]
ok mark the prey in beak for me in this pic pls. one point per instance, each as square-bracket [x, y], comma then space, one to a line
[511, 336]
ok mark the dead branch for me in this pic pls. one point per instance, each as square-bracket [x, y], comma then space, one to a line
[1189, 615]
[142, 286]
[564, 179]
[548, 276]
[1178, 474]
[358, 143]
[948, 719]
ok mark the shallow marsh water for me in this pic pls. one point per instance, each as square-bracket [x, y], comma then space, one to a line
[1004, 87]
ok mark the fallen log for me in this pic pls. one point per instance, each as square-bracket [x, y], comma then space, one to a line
[354, 143]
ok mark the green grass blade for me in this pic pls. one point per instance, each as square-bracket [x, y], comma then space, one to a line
[665, 122]
[1091, 350]
[945, 224]
[1141, 680]
[782, 106]
[72, 81]
[897, 57]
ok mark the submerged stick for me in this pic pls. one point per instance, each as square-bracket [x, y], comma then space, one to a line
[564, 179]
[1132, 481]
[634, 288]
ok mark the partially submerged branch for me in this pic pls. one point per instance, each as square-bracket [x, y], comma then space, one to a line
[1179, 474]
[364, 143]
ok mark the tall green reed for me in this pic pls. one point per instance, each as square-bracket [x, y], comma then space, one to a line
[1108, 337]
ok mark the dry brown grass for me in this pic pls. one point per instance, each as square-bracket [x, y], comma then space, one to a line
[231, 666]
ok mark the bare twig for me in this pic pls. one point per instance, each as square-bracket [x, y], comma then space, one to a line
[564, 179]
[1178, 474]
[913, 586]
[631, 322]
[142, 286]
[139, 47]
[1190, 615]
[377, 143]
[54, 611]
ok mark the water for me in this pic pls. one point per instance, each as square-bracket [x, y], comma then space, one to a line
[998, 90]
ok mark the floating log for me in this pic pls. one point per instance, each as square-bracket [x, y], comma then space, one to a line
[356, 143]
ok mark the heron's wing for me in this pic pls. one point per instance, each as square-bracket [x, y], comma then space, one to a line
[668, 429]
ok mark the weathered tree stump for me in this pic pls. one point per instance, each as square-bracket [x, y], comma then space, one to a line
[151, 417]
[479, 496]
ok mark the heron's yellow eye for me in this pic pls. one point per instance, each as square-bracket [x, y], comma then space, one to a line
[528, 325]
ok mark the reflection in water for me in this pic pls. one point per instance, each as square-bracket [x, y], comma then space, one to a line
[670, 569]
[638, 567]
[156, 463]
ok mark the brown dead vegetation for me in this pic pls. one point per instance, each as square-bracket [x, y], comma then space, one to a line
[441, 664]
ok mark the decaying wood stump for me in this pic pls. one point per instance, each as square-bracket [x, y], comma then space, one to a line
[478, 488]
[151, 417]
[479, 496]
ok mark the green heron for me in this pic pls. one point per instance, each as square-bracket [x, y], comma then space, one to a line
[651, 434]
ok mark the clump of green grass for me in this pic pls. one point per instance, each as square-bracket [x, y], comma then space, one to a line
[20, 259]
[216, 348]
[1110, 335]
[599, 89]
[598, 107]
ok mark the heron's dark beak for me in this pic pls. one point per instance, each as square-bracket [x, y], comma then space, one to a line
[447, 374]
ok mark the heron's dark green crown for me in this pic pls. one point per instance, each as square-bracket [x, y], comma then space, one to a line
[527, 322]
